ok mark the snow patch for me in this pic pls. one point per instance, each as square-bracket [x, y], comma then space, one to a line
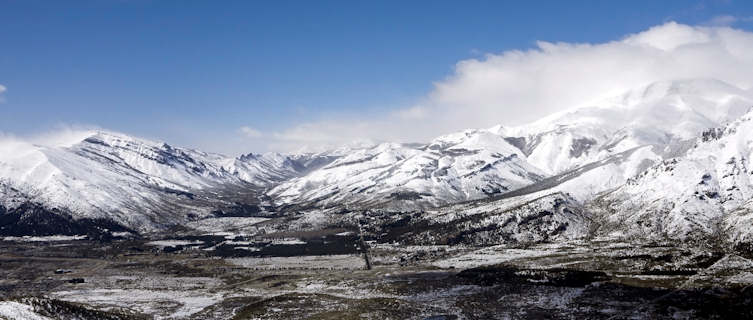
[18, 311]
[45, 238]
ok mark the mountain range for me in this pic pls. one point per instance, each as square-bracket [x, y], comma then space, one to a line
[668, 160]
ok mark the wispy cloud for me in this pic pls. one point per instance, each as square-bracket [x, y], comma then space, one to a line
[726, 20]
[250, 132]
[722, 21]
[2, 90]
[61, 135]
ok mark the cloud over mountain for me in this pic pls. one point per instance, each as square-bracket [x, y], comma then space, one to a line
[517, 86]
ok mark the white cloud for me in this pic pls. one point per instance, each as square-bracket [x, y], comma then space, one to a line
[415, 112]
[250, 132]
[518, 86]
[2, 89]
[63, 135]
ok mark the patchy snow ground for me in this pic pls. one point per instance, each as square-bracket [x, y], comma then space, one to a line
[346, 289]
[123, 234]
[239, 224]
[732, 270]
[164, 297]
[173, 243]
[19, 311]
[288, 241]
[45, 238]
[733, 262]
[490, 256]
[337, 262]
[164, 304]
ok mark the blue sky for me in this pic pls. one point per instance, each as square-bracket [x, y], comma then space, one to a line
[194, 72]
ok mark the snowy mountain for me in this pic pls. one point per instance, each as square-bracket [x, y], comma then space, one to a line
[457, 167]
[624, 134]
[534, 217]
[137, 183]
[659, 114]
[704, 193]
[573, 166]
[271, 168]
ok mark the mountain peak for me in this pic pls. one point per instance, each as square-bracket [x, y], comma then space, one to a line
[112, 138]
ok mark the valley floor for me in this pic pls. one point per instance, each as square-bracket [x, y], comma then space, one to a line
[135, 279]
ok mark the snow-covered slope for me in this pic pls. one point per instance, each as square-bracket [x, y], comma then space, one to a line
[706, 192]
[138, 183]
[271, 168]
[456, 167]
[639, 128]
[534, 217]
[660, 114]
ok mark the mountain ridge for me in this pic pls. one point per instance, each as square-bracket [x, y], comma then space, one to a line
[587, 155]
